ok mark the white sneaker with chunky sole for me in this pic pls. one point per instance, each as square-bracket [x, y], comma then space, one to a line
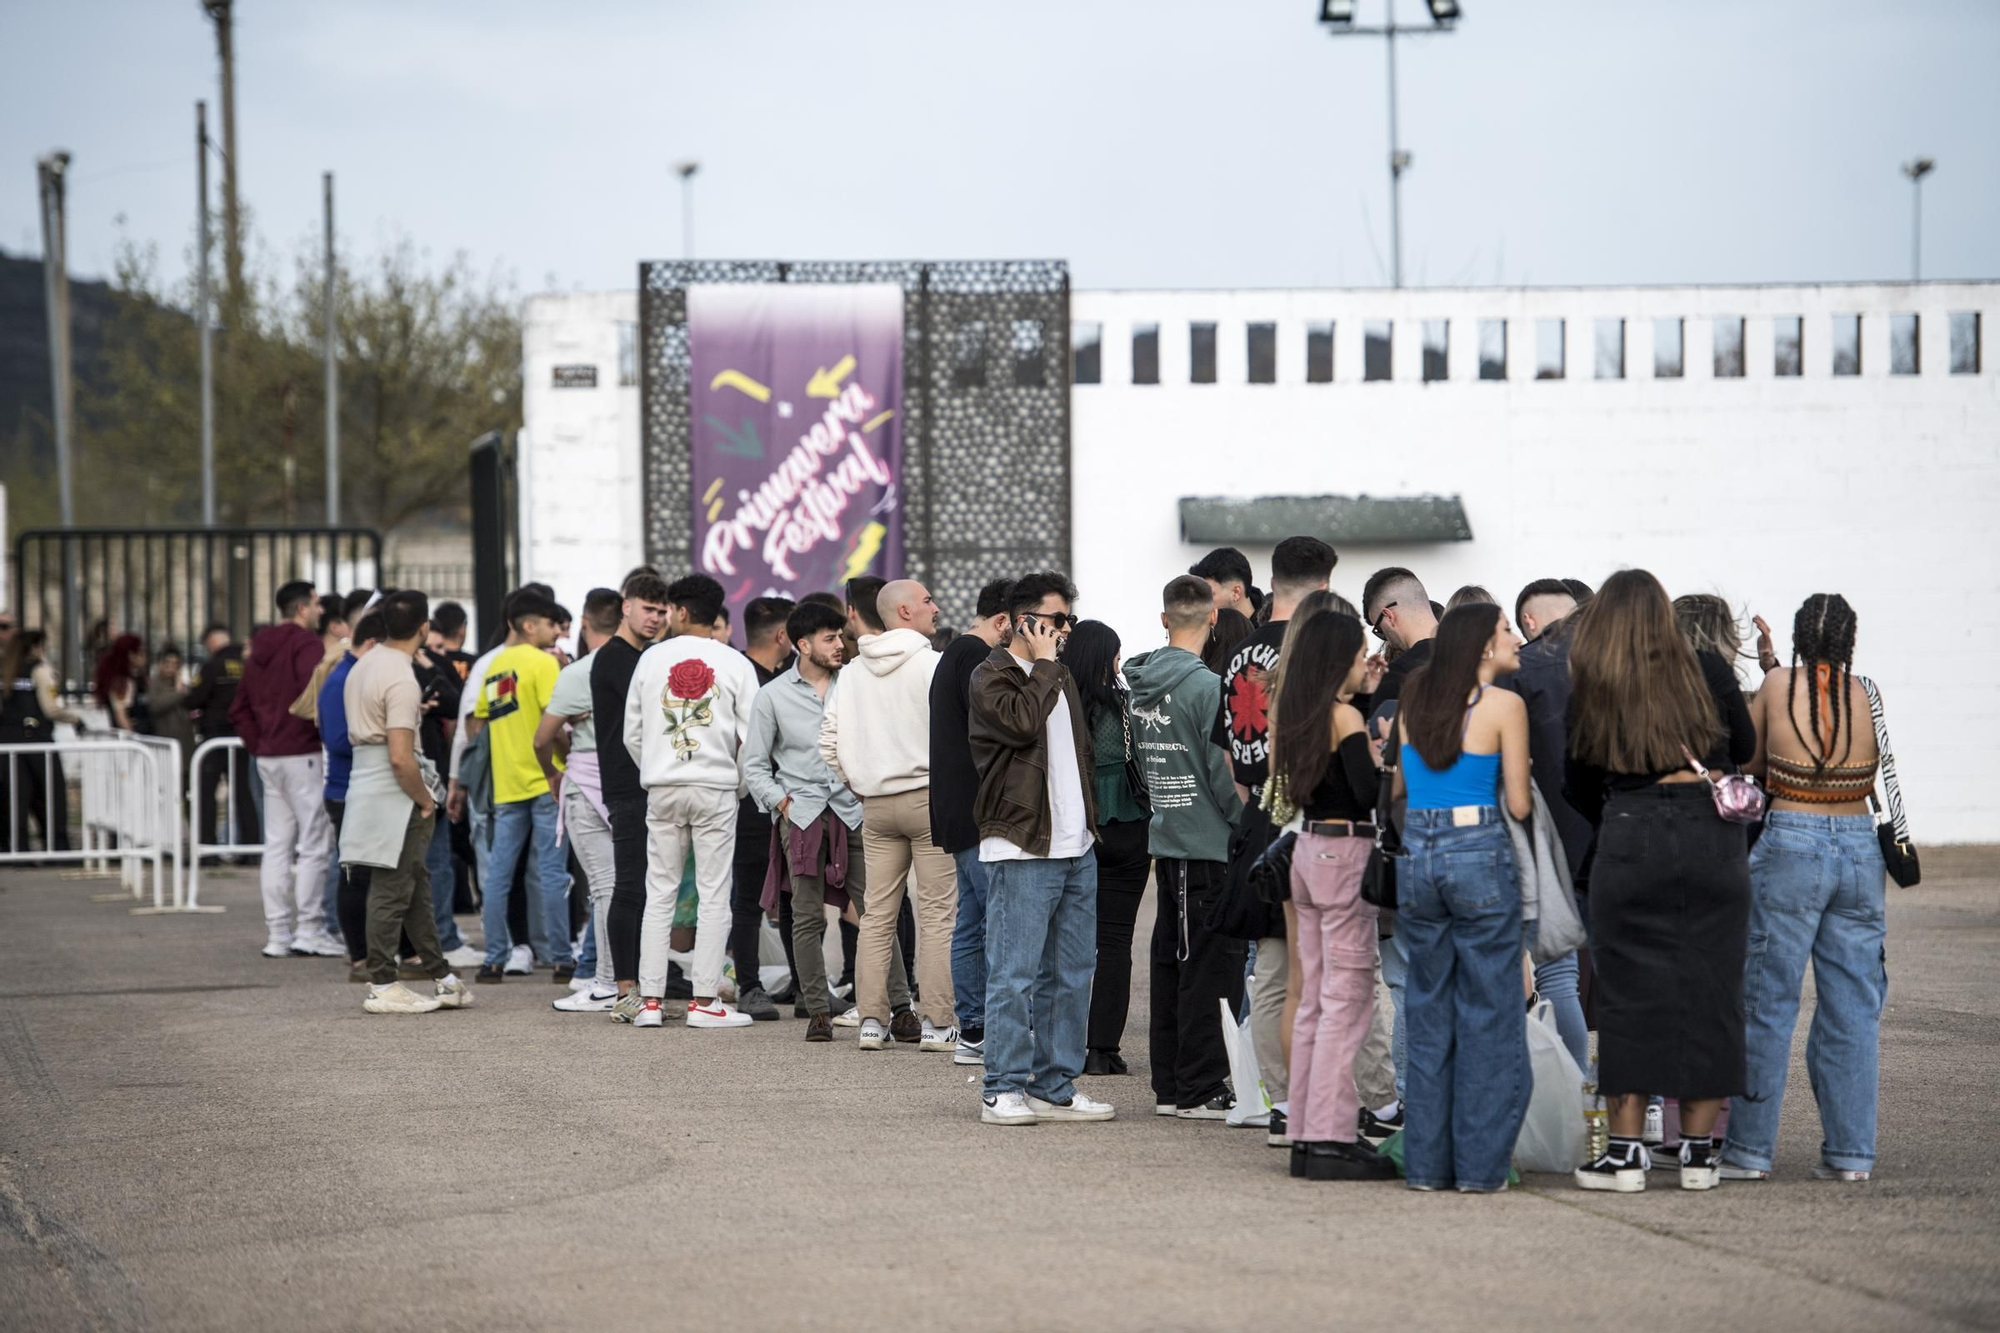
[1009, 1108]
[1078, 1107]
[850, 1019]
[585, 1002]
[466, 956]
[873, 1036]
[520, 961]
[650, 1016]
[937, 1039]
[453, 993]
[396, 998]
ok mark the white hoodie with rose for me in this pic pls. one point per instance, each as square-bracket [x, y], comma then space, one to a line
[876, 732]
[687, 713]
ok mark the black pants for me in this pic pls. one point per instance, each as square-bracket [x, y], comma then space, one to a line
[214, 771]
[38, 790]
[1192, 969]
[1122, 864]
[628, 887]
[746, 917]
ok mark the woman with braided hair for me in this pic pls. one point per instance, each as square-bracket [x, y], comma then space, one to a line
[1816, 880]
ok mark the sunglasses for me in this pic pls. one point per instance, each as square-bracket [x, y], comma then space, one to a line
[1060, 620]
[1376, 627]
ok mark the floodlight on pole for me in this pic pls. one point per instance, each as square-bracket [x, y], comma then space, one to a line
[1338, 16]
[1916, 169]
[686, 169]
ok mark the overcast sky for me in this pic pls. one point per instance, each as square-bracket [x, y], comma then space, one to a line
[1182, 143]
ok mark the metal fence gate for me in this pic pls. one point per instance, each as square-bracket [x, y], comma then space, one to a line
[985, 400]
[165, 584]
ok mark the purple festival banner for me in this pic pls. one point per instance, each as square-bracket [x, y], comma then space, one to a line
[797, 435]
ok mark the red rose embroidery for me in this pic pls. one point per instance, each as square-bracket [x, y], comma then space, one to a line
[690, 679]
[1247, 703]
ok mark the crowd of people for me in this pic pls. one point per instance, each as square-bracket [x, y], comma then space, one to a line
[669, 823]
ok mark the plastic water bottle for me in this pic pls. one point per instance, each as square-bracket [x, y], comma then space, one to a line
[1597, 1121]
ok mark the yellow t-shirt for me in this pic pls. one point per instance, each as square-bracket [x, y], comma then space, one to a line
[511, 701]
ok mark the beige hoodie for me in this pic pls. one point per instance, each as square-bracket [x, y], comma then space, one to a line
[876, 733]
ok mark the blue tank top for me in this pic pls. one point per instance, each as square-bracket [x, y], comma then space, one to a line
[1473, 780]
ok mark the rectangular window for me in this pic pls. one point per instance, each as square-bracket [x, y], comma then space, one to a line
[1086, 352]
[1965, 342]
[968, 355]
[1847, 344]
[1493, 349]
[1376, 336]
[1437, 349]
[1201, 354]
[1669, 350]
[1904, 358]
[1728, 347]
[1027, 354]
[1610, 349]
[1548, 349]
[1788, 352]
[628, 354]
[1262, 345]
[1319, 352]
[1145, 353]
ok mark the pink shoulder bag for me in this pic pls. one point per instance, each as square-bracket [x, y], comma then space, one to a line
[1738, 798]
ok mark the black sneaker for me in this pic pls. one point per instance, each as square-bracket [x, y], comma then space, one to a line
[1347, 1161]
[758, 1005]
[1217, 1107]
[491, 972]
[1104, 1063]
[1701, 1164]
[1376, 1129]
[1274, 1133]
[1619, 1175]
[678, 988]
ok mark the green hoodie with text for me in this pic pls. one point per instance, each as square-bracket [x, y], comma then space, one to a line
[1182, 737]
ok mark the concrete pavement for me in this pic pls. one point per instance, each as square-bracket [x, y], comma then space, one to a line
[194, 1137]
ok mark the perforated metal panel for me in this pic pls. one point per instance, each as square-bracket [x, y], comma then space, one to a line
[985, 411]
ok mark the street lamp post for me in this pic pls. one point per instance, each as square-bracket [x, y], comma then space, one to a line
[685, 170]
[1338, 16]
[1916, 169]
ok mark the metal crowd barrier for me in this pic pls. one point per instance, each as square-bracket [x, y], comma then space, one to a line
[235, 755]
[129, 811]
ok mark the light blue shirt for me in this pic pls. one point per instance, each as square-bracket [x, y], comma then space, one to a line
[782, 756]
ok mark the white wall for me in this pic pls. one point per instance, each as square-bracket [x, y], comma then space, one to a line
[1883, 488]
[579, 458]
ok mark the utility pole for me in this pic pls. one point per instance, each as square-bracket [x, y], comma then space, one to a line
[332, 370]
[232, 216]
[1916, 169]
[55, 277]
[203, 322]
[685, 170]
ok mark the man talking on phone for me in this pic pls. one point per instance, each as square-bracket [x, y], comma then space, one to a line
[1037, 816]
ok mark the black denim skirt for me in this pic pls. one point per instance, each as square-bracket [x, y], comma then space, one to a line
[1670, 918]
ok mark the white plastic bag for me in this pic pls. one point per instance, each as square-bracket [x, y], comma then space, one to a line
[1552, 1133]
[1253, 1105]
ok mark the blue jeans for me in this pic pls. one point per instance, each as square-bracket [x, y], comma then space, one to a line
[1459, 915]
[1395, 975]
[1041, 951]
[1557, 983]
[968, 941]
[519, 826]
[1815, 892]
[330, 894]
[437, 860]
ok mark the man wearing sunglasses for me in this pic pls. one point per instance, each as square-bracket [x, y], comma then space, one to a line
[1398, 610]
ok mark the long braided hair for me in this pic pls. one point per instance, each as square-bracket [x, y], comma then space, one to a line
[1823, 635]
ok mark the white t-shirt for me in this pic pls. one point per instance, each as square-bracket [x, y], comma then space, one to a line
[571, 699]
[468, 697]
[1069, 826]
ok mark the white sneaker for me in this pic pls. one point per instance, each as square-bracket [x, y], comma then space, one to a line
[584, 981]
[1655, 1132]
[586, 1001]
[452, 993]
[1821, 1171]
[319, 945]
[969, 1052]
[650, 1016]
[278, 946]
[874, 1036]
[396, 998]
[1729, 1171]
[1009, 1108]
[520, 962]
[465, 956]
[850, 1019]
[1078, 1107]
[717, 1015]
[938, 1039]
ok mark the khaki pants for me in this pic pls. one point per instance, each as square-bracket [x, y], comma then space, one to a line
[399, 902]
[895, 832]
[809, 929]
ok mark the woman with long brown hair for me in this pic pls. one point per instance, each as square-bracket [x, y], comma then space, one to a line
[1669, 879]
[1320, 751]
[1464, 749]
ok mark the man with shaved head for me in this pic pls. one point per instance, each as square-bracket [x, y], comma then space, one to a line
[875, 735]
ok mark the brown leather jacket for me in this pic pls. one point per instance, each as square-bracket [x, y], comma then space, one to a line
[1009, 732]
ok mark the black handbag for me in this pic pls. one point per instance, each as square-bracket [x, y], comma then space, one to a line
[1135, 776]
[1271, 872]
[1899, 855]
[1378, 877]
[1237, 911]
